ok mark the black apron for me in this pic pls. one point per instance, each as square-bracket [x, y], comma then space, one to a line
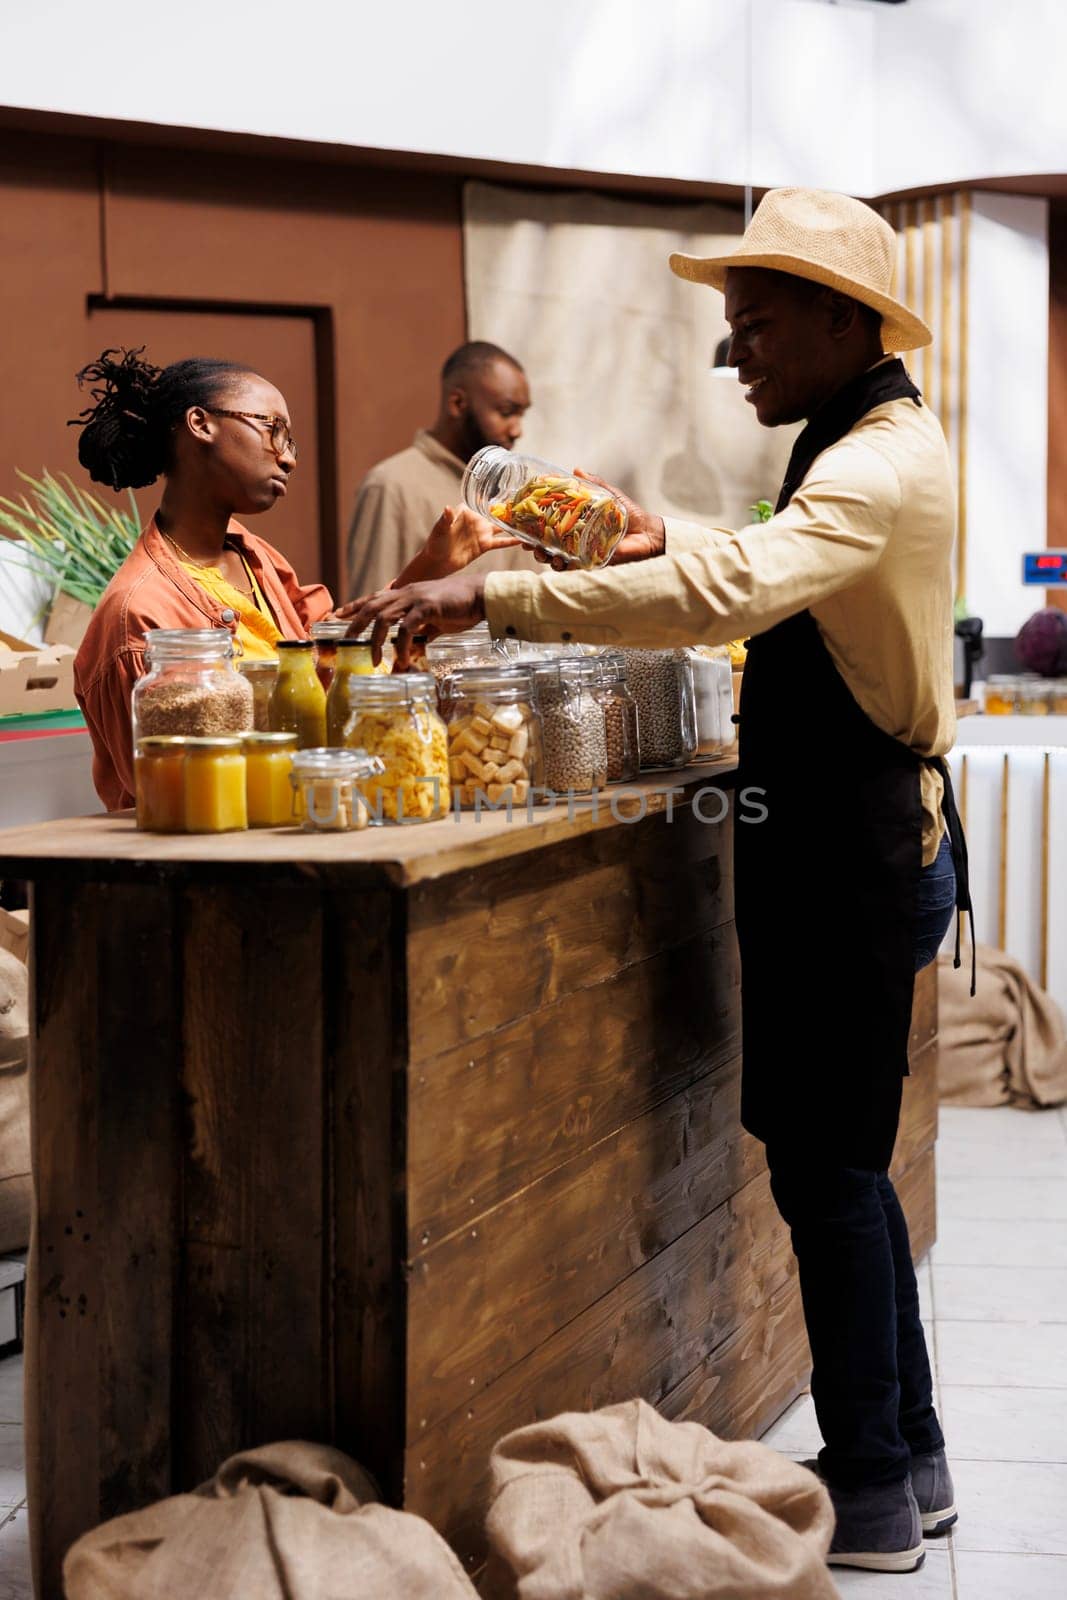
[827, 883]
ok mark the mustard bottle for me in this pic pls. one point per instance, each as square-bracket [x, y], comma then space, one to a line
[353, 660]
[298, 700]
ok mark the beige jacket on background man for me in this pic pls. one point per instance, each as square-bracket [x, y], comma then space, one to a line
[864, 544]
[397, 504]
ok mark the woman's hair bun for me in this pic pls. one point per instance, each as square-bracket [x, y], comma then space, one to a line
[122, 444]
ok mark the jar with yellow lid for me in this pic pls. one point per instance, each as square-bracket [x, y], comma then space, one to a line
[214, 786]
[396, 719]
[1033, 697]
[1001, 695]
[268, 768]
[298, 700]
[353, 660]
[328, 788]
[261, 673]
[159, 783]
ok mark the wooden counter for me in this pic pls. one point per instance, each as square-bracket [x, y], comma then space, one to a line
[398, 1140]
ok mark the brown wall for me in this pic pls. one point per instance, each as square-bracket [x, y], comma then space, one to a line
[342, 284]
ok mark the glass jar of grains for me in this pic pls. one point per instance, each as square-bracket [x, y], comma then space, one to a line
[572, 720]
[396, 719]
[620, 718]
[191, 687]
[661, 681]
[262, 673]
[495, 752]
[353, 660]
[474, 648]
[298, 700]
[268, 765]
[328, 789]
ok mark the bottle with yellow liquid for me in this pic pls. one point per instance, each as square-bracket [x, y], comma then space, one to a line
[298, 700]
[353, 660]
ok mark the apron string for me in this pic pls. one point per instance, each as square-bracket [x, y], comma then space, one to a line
[958, 845]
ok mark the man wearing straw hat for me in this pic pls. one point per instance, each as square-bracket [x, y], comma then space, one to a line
[847, 887]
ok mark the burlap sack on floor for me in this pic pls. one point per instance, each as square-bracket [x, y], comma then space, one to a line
[1007, 1045]
[285, 1522]
[15, 1180]
[620, 1504]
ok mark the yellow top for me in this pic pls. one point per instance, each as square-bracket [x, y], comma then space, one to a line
[256, 631]
[864, 544]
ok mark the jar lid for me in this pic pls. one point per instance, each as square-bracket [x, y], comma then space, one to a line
[269, 741]
[294, 644]
[357, 644]
[161, 744]
[258, 664]
[566, 669]
[329, 628]
[189, 642]
[398, 686]
[212, 744]
[322, 761]
[1002, 678]
[462, 680]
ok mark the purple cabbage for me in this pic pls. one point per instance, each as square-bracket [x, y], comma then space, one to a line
[1041, 643]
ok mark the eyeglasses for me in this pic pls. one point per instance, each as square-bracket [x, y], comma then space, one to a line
[281, 439]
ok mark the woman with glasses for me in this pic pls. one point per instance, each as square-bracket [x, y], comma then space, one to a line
[218, 435]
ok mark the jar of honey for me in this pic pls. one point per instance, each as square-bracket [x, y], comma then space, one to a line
[1001, 695]
[214, 786]
[298, 700]
[268, 768]
[353, 660]
[159, 783]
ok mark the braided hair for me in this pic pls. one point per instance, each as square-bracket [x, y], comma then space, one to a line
[126, 432]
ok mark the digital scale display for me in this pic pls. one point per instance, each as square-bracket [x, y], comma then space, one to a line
[1045, 569]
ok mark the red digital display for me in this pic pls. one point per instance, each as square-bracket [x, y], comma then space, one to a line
[1056, 562]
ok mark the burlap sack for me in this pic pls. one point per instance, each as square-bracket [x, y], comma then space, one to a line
[15, 1181]
[285, 1522]
[1007, 1045]
[620, 1504]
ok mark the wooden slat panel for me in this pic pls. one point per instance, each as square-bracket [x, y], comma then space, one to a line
[490, 1294]
[512, 937]
[642, 1338]
[924, 1010]
[917, 1194]
[104, 1086]
[918, 1115]
[252, 1336]
[493, 1116]
[364, 1008]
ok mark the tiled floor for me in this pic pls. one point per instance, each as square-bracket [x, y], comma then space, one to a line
[995, 1300]
[994, 1295]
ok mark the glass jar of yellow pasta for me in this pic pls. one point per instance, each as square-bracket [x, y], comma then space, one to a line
[495, 750]
[396, 719]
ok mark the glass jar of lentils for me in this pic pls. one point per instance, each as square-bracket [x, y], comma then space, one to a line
[572, 719]
[620, 718]
[661, 681]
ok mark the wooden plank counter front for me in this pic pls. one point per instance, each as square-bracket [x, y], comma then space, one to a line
[398, 1140]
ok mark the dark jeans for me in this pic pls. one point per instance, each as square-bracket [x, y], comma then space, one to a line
[870, 1371]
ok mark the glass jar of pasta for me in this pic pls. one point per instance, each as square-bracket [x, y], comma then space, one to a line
[572, 720]
[298, 700]
[544, 506]
[353, 660]
[191, 687]
[495, 754]
[620, 718]
[329, 789]
[396, 719]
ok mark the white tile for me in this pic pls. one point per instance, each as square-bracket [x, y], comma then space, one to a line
[968, 1242]
[796, 1433]
[12, 1465]
[994, 1354]
[1001, 1294]
[1011, 1506]
[981, 1575]
[1021, 1198]
[1005, 1424]
[926, 1297]
[15, 1558]
[1006, 1158]
[991, 1124]
[11, 1389]
[933, 1581]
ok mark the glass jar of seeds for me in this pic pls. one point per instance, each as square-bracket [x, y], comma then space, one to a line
[192, 688]
[572, 719]
[661, 681]
[620, 718]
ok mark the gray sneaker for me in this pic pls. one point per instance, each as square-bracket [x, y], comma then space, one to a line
[876, 1528]
[932, 1482]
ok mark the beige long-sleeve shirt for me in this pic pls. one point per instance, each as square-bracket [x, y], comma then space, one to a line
[865, 545]
[397, 504]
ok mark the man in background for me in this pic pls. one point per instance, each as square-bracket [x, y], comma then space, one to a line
[484, 397]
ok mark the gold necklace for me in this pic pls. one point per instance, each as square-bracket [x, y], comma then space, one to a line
[205, 565]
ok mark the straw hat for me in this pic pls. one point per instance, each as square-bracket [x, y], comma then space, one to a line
[826, 238]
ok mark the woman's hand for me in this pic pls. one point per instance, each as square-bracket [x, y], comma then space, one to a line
[644, 538]
[447, 606]
[457, 538]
